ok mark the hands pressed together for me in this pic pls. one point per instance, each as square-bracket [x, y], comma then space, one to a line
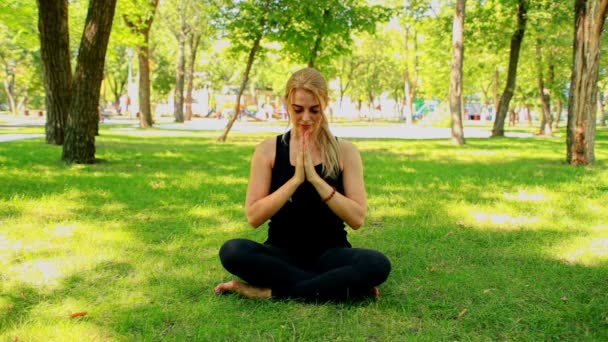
[305, 168]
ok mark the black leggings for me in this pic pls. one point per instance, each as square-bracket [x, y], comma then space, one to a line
[337, 274]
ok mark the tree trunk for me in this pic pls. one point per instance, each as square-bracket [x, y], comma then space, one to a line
[505, 99]
[141, 24]
[145, 110]
[558, 113]
[83, 117]
[57, 71]
[178, 110]
[456, 73]
[250, 59]
[193, 42]
[9, 87]
[590, 16]
[252, 53]
[543, 94]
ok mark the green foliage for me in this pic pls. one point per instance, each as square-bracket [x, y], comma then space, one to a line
[319, 31]
[477, 254]
[163, 78]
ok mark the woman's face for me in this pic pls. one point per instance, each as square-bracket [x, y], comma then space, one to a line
[306, 112]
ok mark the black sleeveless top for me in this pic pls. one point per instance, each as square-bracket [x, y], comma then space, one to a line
[304, 225]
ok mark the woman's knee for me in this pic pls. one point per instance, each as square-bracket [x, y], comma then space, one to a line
[233, 251]
[377, 266]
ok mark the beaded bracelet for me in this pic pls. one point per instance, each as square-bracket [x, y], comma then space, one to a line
[333, 192]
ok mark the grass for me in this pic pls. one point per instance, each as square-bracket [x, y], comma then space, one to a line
[496, 240]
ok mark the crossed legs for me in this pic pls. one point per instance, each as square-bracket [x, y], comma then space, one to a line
[268, 271]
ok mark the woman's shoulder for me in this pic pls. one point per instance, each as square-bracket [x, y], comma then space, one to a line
[266, 150]
[267, 145]
[347, 148]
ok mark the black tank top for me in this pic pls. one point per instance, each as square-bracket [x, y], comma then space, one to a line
[304, 225]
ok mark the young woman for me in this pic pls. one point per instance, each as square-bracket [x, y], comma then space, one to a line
[308, 184]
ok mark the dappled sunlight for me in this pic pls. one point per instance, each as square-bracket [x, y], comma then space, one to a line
[380, 209]
[407, 169]
[493, 217]
[42, 272]
[168, 154]
[109, 208]
[525, 196]
[203, 211]
[503, 219]
[52, 207]
[590, 250]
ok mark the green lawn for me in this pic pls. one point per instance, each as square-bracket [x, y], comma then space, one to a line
[496, 240]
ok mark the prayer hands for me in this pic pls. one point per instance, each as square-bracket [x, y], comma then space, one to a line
[309, 165]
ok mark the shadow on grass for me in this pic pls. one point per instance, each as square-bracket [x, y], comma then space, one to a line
[453, 278]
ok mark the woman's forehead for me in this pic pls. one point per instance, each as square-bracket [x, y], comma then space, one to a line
[303, 96]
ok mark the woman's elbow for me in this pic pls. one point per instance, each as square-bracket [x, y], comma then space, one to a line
[253, 222]
[252, 219]
[357, 222]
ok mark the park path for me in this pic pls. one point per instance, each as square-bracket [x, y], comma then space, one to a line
[167, 128]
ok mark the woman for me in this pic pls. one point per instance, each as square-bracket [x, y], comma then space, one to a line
[308, 183]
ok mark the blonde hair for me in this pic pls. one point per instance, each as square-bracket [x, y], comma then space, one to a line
[313, 81]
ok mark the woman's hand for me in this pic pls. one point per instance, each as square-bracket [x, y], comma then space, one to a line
[309, 166]
[299, 176]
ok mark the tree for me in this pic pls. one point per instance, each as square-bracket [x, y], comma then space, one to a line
[543, 93]
[83, 116]
[456, 74]
[250, 23]
[55, 49]
[516, 41]
[590, 16]
[139, 18]
[412, 13]
[316, 32]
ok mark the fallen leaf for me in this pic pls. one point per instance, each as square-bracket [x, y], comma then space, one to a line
[462, 313]
[78, 314]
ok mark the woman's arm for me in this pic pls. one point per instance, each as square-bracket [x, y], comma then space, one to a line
[352, 206]
[260, 204]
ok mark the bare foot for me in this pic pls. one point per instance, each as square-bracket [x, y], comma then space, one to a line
[243, 289]
[376, 293]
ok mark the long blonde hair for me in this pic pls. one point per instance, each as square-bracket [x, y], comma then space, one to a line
[313, 81]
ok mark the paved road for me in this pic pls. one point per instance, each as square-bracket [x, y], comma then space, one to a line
[167, 128]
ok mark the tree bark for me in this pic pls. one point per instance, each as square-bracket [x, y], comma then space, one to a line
[516, 41]
[57, 70]
[543, 94]
[178, 110]
[590, 16]
[145, 107]
[456, 73]
[83, 117]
